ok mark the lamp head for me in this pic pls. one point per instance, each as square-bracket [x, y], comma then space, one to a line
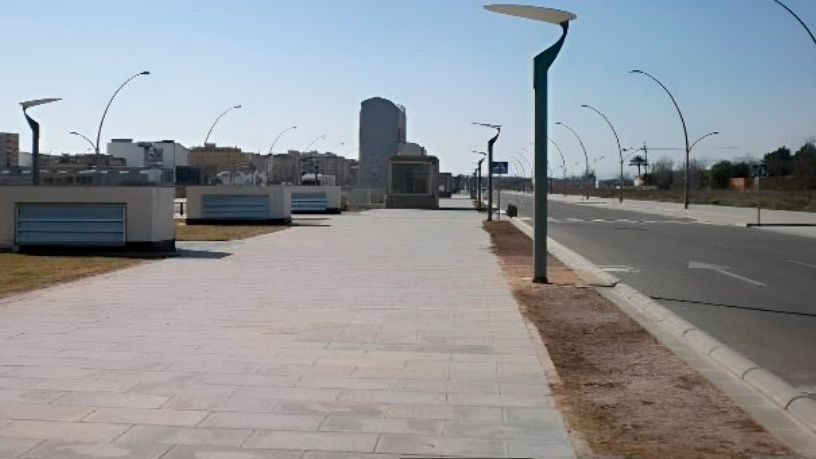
[493, 126]
[74, 133]
[535, 13]
[636, 71]
[237, 106]
[145, 73]
[33, 103]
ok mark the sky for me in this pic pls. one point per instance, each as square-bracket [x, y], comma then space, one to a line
[744, 68]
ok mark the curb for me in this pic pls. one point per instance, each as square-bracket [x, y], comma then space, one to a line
[774, 389]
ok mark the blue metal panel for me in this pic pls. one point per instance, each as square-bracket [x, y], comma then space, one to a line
[71, 224]
[234, 207]
[309, 202]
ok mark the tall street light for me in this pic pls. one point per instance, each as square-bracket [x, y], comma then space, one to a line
[35, 136]
[479, 183]
[693, 144]
[529, 166]
[541, 67]
[620, 149]
[207, 139]
[490, 144]
[107, 107]
[685, 133]
[586, 156]
[279, 136]
[86, 139]
[798, 19]
[563, 165]
[313, 142]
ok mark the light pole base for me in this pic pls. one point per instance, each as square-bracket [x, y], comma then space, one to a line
[540, 280]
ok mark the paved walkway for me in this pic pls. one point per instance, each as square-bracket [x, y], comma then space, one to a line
[374, 335]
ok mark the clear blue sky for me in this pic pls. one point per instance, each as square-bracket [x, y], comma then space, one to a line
[743, 67]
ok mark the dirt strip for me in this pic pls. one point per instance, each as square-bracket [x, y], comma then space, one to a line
[621, 392]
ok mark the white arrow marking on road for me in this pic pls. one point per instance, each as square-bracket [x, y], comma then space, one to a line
[723, 270]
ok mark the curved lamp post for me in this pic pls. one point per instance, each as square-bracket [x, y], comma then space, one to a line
[685, 133]
[702, 138]
[479, 169]
[529, 165]
[305, 150]
[586, 156]
[563, 165]
[620, 149]
[521, 169]
[86, 139]
[207, 139]
[35, 136]
[490, 144]
[541, 66]
[595, 168]
[797, 18]
[279, 136]
[105, 113]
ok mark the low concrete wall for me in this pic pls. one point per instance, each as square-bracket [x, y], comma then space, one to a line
[280, 202]
[149, 210]
[333, 204]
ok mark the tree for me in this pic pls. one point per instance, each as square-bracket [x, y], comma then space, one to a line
[638, 162]
[804, 162]
[779, 162]
[721, 174]
[662, 172]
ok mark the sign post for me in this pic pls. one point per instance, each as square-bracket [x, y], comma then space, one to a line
[499, 168]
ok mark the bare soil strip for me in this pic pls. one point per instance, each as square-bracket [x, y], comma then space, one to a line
[622, 392]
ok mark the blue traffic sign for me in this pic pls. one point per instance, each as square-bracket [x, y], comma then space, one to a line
[500, 167]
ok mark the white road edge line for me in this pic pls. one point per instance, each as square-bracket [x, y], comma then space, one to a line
[802, 263]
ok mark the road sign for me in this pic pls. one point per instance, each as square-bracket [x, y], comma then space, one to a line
[500, 167]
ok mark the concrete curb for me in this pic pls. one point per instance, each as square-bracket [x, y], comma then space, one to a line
[769, 385]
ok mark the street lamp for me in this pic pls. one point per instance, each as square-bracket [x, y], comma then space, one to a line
[797, 18]
[620, 149]
[702, 138]
[521, 169]
[105, 113]
[541, 66]
[685, 133]
[563, 165]
[279, 136]
[35, 136]
[86, 139]
[586, 156]
[595, 169]
[207, 139]
[490, 144]
[479, 183]
[313, 142]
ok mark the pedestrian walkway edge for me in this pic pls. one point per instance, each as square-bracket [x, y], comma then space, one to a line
[661, 320]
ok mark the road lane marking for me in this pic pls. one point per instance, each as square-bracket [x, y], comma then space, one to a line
[724, 270]
[618, 269]
[802, 263]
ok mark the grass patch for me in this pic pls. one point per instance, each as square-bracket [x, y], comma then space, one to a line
[22, 273]
[222, 232]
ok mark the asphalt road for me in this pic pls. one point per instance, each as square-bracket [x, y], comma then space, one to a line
[753, 290]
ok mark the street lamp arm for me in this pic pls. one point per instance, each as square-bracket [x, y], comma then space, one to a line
[86, 139]
[306, 150]
[107, 107]
[279, 136]
[586, 156]
[563, 161]
[778, 2]
[674, 101]
[617, 139]
[206, 139]
[702, 138]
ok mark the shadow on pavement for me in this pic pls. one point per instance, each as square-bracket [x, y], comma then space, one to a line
[201, 254]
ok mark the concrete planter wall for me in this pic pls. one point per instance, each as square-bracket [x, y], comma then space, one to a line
[331, 194]
[238, 204]
[114, 218]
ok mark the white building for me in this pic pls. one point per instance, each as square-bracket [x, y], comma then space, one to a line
[165, 154]
[411, 149]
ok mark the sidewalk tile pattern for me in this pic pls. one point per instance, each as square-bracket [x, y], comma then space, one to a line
[378, 335]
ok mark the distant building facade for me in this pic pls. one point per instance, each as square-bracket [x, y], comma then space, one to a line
[9, 150]
[383, 127]
[165, 154]
[291, 167]
[229, 165]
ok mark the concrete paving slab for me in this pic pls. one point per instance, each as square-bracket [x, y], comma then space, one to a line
[387, 333]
